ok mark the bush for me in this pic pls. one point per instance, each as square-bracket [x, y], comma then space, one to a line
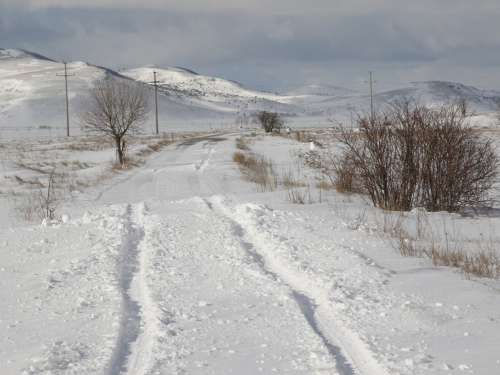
[38, 204]
[270, 121]
[408, 155]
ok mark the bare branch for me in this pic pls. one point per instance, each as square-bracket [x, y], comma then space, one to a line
[114, 108]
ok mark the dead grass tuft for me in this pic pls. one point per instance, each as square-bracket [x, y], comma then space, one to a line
[241, 144]
[257, 168]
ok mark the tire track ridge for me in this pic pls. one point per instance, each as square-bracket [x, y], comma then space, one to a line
[357, 358]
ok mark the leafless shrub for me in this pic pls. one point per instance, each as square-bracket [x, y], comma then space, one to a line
[342, 174]
[270, 121]
[298, 195]
[38, 204]
[358, 222]
[408, 155]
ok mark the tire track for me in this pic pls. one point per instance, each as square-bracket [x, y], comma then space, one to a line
[353, 357]
[137, 325]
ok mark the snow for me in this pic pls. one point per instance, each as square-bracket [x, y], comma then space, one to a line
[180, 266]
[319, 90]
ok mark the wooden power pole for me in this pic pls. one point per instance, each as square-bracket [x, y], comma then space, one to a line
[67, 102]
[156, 103]
[371, 97]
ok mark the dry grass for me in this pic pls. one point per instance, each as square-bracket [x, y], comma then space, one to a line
[48, 158]
[480, 258]
[242, 144]
[33, 167]
[258, 169]
[239, 158]
[297, 187]
[291, 178]
[446, 247]
[324, 184]
[425, 237]
[300, 188]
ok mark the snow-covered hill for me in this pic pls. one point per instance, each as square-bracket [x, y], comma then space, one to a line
[32, 95]
[32, 89]
[218, 94]
[432, 91]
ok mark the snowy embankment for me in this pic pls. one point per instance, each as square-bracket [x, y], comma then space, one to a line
[181, 267]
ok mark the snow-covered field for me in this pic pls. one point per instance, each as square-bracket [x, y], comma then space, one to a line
[179, 266]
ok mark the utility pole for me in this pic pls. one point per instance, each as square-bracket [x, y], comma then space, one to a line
[67, 103]
[156, 103]
[371, 97]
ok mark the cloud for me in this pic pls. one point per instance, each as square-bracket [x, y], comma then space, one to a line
[305, 40]
[280, 7]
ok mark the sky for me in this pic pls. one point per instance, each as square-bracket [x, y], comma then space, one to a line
[270, 45]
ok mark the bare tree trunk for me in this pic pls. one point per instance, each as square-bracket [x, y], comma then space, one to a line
[119, 150]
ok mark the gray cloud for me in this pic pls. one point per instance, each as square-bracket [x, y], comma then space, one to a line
[278, 47]
[281, 7]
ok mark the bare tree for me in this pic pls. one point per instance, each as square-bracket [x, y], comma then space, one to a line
[270, 121]
[114, 108]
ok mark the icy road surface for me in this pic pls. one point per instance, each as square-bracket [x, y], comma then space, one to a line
[171, 271]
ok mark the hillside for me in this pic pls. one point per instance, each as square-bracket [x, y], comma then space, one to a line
[320, 90]
[201, 91]
[32, 95]
[32, 89]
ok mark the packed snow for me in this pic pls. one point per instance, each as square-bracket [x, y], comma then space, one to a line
[180, 266]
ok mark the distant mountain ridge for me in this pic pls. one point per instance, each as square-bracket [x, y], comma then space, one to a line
[32, 93]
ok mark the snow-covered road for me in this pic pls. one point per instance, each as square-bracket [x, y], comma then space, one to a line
[172, 271]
